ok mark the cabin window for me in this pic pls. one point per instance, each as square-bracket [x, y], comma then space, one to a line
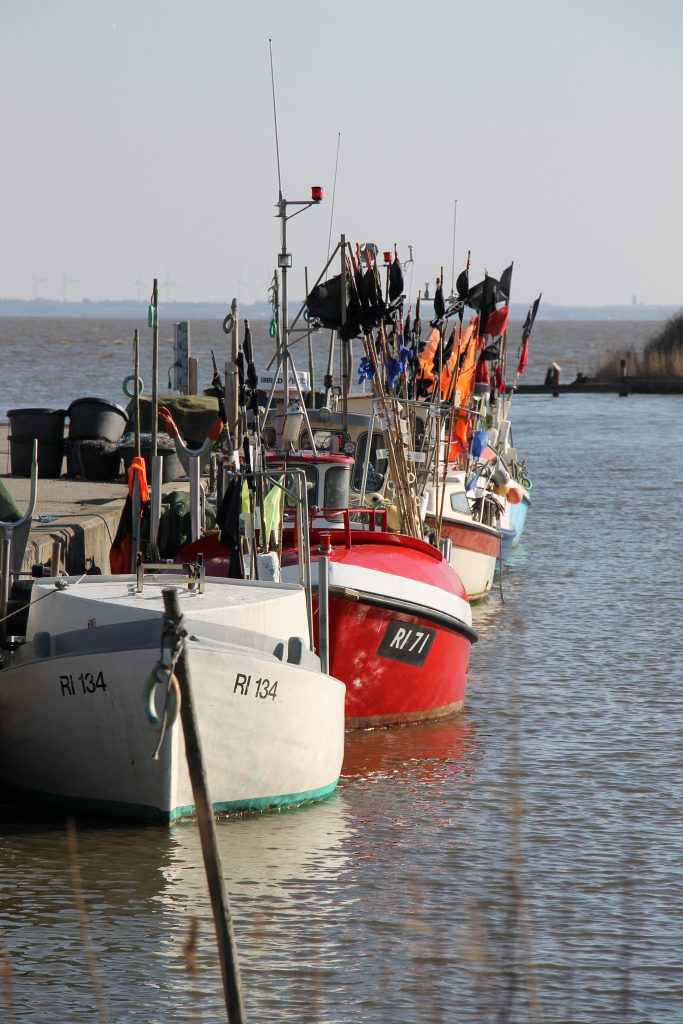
[460, 502]
[377, 468]
[337, 487]
[311, 487]
[327, 441]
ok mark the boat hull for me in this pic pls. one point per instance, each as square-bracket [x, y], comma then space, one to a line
[475, 549]
[77, 728]
[400, 629]
[507, 537]
[398, 667]
[75, 732]
[518, 516]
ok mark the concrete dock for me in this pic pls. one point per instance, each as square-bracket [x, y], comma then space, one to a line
[82, 515]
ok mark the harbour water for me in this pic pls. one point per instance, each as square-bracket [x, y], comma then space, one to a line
[51, 362]
[519, 863]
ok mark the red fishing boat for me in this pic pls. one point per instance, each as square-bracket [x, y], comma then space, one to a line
[400, 624]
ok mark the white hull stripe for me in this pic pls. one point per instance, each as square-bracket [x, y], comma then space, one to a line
[398, 588]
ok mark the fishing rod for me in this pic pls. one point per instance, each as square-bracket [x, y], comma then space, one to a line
[455, 213]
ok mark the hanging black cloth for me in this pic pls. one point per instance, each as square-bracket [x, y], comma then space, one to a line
[395, 279]
[504, 285]
[325, 302]
[228, 522]
[439, 304]
[462, 284]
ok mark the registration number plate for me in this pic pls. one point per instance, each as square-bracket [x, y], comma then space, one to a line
[407, 643]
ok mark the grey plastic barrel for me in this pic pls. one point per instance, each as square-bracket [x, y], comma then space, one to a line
[45, 425]
[96, 419]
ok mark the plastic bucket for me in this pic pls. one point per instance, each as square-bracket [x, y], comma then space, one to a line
[96, 419]
[47, 427]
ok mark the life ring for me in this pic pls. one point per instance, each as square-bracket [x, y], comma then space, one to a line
[160, 677]
[228, 323]
[128, 381]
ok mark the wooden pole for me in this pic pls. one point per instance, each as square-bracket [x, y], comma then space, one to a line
[155, 363]
[220, 905]
[309, 332]
[136, 399]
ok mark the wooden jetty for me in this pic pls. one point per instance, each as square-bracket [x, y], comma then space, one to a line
[591, 386]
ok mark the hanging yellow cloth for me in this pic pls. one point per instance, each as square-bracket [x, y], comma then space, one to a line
[272, 506]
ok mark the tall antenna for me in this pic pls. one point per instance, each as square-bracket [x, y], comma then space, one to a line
[277, 142]
[334, 190]
[455, 211]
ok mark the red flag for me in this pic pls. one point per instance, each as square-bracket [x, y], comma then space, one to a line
[523, 357]
[497, 322]
[481, 375]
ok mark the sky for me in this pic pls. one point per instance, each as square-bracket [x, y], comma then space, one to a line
[138, 142]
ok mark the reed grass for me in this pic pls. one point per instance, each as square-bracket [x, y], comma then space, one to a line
[661, 357]
[84, 920]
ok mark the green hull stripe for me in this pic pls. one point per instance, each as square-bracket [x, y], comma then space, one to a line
[155, 814]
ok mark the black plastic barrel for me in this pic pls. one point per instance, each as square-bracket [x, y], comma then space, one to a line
[92, 459]
[96, 419]
[172, 468]
[45, 425]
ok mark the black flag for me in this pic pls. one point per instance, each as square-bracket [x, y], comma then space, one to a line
[504, 284]
[462, 285]
[395, 279]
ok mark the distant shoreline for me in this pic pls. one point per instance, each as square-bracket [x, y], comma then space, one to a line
[124, 309]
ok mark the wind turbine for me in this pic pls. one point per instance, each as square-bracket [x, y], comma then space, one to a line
[238, 285]
[139, 284]
[37, 281]
[65, 281]
[168, 284]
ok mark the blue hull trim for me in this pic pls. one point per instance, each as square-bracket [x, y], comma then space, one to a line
[518, 514]
[154, 815]
[506, 539]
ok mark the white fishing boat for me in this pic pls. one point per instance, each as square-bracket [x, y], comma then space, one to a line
[89, 680]
[469, 524]
[76, 699]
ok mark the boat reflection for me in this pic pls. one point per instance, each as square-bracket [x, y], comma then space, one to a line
[260, 855]
[128, 870]
[425, 752]
[142, 886]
